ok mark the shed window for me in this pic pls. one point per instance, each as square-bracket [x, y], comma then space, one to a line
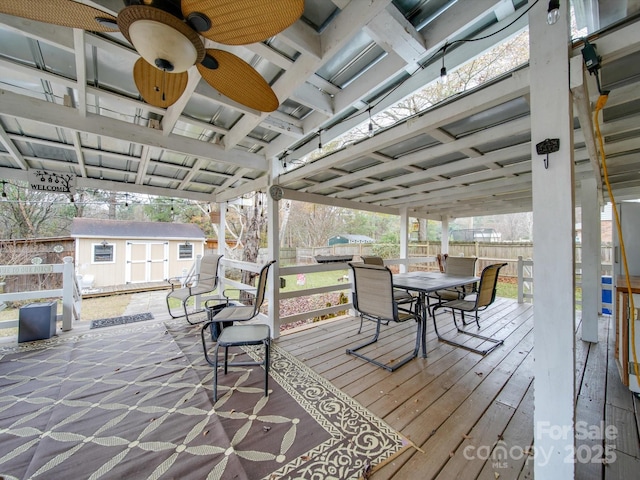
[185, 251]
[103, 253]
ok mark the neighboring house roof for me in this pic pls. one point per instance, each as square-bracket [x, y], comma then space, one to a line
[90, 227]
[355, 238]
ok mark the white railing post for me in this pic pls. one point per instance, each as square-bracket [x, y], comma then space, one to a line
[197, 297]
[68, 280]
[520, 280]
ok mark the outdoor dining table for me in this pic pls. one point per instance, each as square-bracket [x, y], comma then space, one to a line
[424, 283]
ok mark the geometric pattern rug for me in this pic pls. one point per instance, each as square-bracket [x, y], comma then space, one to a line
[135, 403]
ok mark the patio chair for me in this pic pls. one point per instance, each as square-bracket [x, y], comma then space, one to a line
[239, 335]
[485, 296]
[400, 295]
[205, 281]
[456, 266]
[373, 298]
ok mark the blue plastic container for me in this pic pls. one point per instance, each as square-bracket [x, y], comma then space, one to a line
[606, 294]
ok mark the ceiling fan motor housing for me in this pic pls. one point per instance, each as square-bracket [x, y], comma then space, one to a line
[168, 35]
[169, 6]
[163, 40]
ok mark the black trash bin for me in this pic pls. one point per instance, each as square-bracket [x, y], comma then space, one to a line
[217, 327]
[37, 321]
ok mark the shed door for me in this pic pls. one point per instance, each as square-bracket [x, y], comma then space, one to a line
[147, 262]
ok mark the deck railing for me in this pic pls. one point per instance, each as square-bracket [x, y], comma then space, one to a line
[341, 284]
[69, 293]
[525, 283]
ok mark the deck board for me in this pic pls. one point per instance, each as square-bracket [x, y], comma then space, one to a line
[590, 404]
[455, 399]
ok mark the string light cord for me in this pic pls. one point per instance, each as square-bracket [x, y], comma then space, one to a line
[447, 45]
[602, 100]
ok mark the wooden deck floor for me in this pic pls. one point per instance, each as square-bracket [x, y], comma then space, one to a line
[456, 405]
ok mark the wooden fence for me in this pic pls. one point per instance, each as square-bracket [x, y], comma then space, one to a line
[486, 253]
[70, 292]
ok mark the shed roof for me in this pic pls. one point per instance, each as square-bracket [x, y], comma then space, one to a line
[93, 227]
[355, 238]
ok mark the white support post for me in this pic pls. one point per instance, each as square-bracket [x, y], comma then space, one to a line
[444, 239]
[222, 235]
[404, 239]
[68, 277]
[222, 244]
[591, 270]
[273, 247]
[553, 246]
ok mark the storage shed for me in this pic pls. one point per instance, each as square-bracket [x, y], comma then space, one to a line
[113, 252]
[348, 238]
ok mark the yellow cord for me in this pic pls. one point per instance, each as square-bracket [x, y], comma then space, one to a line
[602, 100]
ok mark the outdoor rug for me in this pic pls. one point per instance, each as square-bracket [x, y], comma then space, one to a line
[108, 322]
[135, 403]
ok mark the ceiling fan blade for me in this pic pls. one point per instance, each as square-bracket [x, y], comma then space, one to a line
[60, 12]
[240, 22]
[158, 88]
[239, 81]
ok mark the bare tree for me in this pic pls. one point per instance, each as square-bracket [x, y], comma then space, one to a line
[311, 225]
[25, 213]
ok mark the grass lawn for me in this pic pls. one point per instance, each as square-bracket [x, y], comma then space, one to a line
[92, 309]
[321, 279]
[313, 280]
[507, 290]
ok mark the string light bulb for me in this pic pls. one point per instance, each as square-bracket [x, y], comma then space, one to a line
[319, 139]
[4, 194]
[370, 124]
[553, 12]
[443, 70]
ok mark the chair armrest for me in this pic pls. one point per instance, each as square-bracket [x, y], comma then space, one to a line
[213, 302]
[196, 279]
[175, 282]
[227, 293]
[204, 343]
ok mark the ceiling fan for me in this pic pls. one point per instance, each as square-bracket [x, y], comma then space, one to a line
[167, 35]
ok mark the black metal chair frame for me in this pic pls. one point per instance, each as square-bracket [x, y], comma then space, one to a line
[373, 298]
[485, 297]
[239, 335]
[452, 266]
[205, 281]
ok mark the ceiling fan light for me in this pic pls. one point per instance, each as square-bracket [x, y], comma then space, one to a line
[107, 22]
[157, 41]
[210, 62]
[199, 21]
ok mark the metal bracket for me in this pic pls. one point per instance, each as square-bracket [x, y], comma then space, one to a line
[547, 146]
